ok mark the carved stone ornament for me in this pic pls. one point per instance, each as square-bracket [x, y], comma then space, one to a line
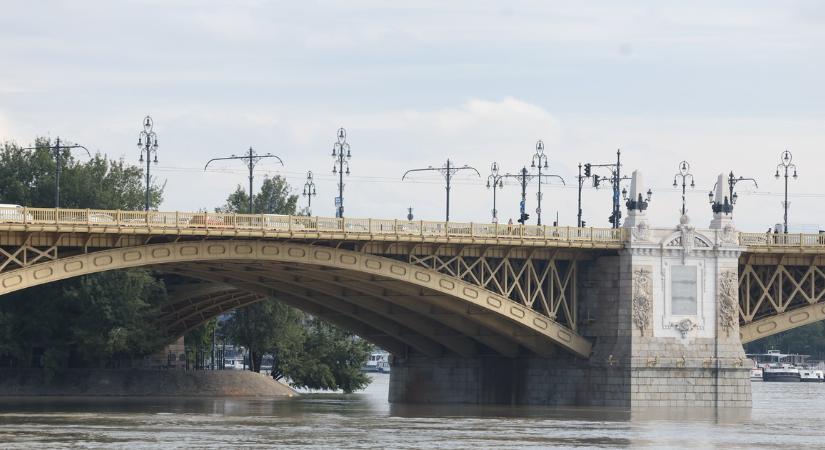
[641, 232]
[728, 235]
[642, 298]
[728, 299]
[684, 327]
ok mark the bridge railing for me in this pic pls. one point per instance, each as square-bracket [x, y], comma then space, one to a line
[782, 240]
[302, 224]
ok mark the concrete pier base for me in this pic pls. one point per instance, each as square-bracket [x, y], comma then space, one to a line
[564, 382]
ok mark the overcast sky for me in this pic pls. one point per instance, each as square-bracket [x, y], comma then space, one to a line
[723, 87]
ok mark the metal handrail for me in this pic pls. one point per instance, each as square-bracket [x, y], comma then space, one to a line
[178, 220]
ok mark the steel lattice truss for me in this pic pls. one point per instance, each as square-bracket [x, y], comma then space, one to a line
[546, 285]
[768, 290]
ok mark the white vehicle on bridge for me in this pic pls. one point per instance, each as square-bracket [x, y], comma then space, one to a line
[13, 213]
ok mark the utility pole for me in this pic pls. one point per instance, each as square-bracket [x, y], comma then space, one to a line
[448, 171]
[251, 159]
[581, 179]
[615, 180]
[523, 178]
[540, 160]
[684, 174]
[341, 156]
[58, 163]
[786, 163]
[309, 191]
[148, 143]
[495, 181]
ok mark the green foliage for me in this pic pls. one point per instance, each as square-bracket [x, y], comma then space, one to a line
[273, 197]
[263, 327]
[330, 359]
[27, 178]
[807, 340]
[88, 320]
[85, 321]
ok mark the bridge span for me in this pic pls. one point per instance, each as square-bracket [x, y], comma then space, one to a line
[485, 313]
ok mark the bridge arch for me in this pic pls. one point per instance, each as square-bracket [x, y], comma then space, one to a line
[323, 277]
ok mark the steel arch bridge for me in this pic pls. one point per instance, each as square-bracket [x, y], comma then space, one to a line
[431, 287]
[434, 288]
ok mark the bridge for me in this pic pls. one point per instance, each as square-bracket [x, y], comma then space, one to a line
[472, 312]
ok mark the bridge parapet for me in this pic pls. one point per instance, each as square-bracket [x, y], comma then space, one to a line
[295, 226]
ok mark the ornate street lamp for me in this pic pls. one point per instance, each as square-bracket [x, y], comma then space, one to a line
[786, 163]
[684, 174]
[495, 181]
[341, 156]
[725, 205]
[309, 191]
[148, 144]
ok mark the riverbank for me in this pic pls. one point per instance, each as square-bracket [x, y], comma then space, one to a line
[137, 382]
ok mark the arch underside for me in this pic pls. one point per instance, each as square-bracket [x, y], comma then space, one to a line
[398, 306]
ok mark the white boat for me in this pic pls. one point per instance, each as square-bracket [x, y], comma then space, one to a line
[780, 372]
[378, 361]
[756, 374]
[811, 375]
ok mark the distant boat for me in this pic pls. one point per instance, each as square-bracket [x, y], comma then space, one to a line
[379, 361]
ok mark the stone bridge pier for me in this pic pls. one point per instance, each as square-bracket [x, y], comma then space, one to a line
[662, 316]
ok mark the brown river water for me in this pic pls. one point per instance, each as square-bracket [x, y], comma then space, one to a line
[787, 415]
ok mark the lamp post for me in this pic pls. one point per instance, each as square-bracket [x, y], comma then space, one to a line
[341, 156]
[540, 159]
[786, 163]
[148, 143]
[495, 181]
[448, 171]
[725, 205]
[251, 159]
[639, 203]
[309, 191]
[684, 174]
[58, 163]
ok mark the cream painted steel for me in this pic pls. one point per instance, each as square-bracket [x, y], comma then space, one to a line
[302, 227]
[521, 318]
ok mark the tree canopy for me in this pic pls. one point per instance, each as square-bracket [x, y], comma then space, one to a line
[86, 321]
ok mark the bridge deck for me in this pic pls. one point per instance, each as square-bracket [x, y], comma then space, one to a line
[302, 227]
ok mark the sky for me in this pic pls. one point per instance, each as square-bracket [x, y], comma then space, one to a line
[726, 86]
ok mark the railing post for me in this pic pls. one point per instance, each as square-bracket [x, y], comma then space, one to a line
[369, 225]
[472, 230]
[117, 217]
[592, 238]
[177, 219]
[421, 227]
[25, 213]
[88, 219]
[206, 219]
[235, 220]
[289, 222]
[801, 237]
[395, 226]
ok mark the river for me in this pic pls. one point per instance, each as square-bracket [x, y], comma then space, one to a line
[791, 415]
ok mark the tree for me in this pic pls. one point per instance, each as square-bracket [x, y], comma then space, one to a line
[27, 178]
[91, 320]
[330, 359]
[263, 327]
[273, 198]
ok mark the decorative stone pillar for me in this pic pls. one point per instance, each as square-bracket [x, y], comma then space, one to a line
[685, 347]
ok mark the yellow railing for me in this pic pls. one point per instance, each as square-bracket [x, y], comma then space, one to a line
[782, 240]
[302, 224]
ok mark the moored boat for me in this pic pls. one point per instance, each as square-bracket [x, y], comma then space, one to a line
[781, 372]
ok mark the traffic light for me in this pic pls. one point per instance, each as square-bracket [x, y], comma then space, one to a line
[587, 170]
[596, 181]
[523, 219]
